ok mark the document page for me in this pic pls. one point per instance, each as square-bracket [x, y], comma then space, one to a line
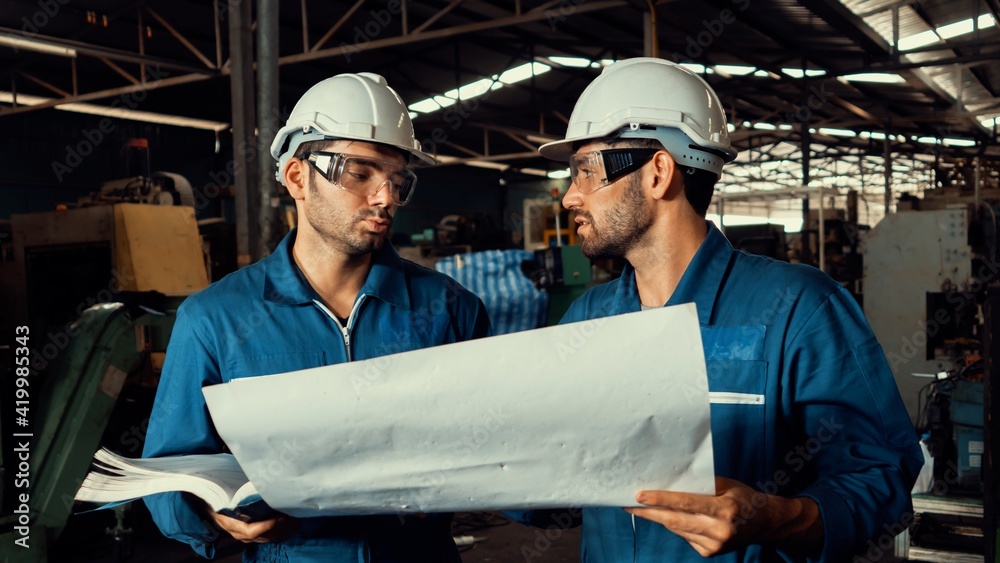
[582, 414]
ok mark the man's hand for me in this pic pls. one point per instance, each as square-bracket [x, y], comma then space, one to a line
[264, 531]
[736, 516]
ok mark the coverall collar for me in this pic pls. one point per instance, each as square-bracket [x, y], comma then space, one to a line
[700, 283]
[285, 284]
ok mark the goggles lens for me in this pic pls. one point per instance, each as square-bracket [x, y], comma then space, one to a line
[365, 176]
[592, 171]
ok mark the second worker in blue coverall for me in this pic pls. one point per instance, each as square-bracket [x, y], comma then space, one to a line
[814, 452]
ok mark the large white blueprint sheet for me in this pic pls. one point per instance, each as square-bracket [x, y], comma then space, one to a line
[583, 414]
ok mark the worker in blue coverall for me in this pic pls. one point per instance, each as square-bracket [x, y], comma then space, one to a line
[815, 454]
[333, 291]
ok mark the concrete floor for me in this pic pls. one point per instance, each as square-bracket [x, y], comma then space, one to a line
[499, 540]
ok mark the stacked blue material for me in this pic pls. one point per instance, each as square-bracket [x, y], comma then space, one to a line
[511, 299]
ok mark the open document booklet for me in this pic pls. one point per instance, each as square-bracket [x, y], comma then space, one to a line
[582, 414]
[217, 479]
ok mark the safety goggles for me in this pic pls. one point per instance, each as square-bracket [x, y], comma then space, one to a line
[365, 176]
[592, 171]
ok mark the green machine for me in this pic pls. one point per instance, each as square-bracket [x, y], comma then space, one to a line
[91, 361]
[565, 275]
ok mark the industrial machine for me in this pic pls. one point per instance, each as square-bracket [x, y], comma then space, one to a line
[564, 273]
[927, 269]
[98, 287]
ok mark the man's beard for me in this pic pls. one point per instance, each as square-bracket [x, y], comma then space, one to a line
[620, 227]
[345, 232]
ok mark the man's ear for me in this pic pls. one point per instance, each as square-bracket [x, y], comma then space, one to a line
[665, 173]
[296, 172]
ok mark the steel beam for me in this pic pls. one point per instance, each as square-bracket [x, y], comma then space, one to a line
[110, 93]
[109, 53]
[120, 71]
[440, 14]
[336, 26]
[443, 33]
[183, 40]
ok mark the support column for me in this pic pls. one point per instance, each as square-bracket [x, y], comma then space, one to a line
[991, 404]
[887, 157]
[242, 95]
[268, 227]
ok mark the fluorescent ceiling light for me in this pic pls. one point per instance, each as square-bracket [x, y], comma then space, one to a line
[694, 67]
[834, 132]
[876, 77]
[413, 115]
[785, 126]
[576, 62]
[488, 164]
[959, 142]
[559, 174]
[735, 70]
[918, 40]
[801, 73]
[731, 127]
[608, 62]
[120, 113]
[36, 46]
[762, 74]
[765, 126]
[990, 122]
[533, 171]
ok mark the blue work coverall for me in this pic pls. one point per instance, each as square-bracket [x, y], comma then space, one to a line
[803, 404]
[266, 319]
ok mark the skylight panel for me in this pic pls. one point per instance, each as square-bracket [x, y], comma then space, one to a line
[918, 40]
[523, 72]
[575, 62]
[735, 70]
[876, 77]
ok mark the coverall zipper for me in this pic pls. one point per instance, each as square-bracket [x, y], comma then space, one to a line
[345, 331]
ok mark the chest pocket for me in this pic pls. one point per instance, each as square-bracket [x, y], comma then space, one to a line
[737, 383]
[270, 364]
[414, 331]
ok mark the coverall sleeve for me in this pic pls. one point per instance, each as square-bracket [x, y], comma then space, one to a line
[478, 321]
[180, 424]
[861, 449]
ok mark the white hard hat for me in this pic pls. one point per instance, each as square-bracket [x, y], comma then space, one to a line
[651, 98]
[359, 107]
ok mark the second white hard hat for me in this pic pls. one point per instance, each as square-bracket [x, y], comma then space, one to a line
[653, 99]
[360, 107]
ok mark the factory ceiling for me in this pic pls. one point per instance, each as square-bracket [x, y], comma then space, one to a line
[849, 79]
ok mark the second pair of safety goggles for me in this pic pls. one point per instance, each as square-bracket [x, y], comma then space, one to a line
[365, 176]
[592, 171]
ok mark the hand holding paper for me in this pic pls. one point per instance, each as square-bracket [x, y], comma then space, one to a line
[735, 516]
[274, 529]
